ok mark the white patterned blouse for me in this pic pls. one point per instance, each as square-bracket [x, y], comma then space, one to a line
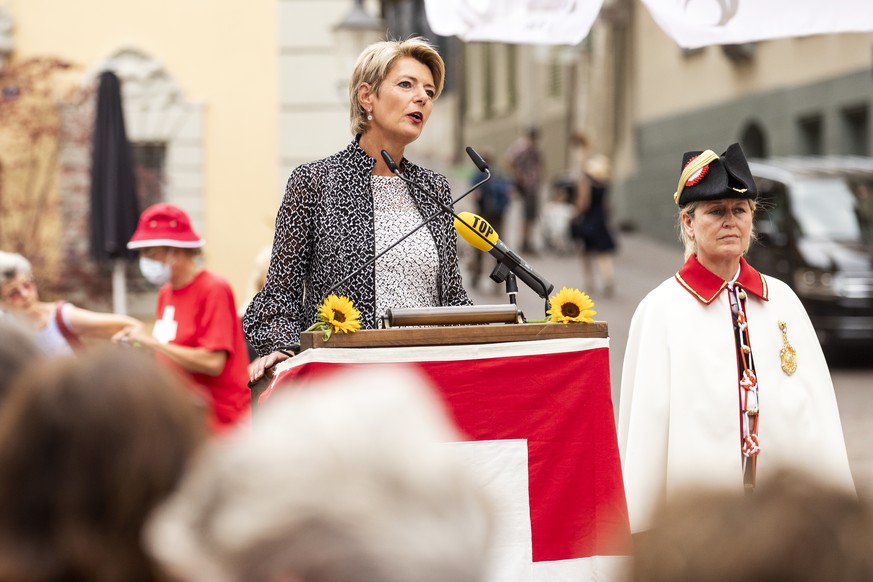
[406, 276]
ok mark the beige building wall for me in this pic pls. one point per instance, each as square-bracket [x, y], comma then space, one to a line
[670, 81]
[313, 82]
[223, 57]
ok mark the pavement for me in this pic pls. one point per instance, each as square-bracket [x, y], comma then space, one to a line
[642, 263]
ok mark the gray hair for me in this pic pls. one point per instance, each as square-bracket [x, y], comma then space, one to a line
[376, 61]
[688, 243]
[335, 481]
[13, 265]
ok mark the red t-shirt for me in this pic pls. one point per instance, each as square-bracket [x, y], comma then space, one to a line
[202, 314]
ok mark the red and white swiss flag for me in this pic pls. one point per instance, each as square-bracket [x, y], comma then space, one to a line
[542, 435]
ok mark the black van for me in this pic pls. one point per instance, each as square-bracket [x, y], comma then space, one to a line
[815, 232]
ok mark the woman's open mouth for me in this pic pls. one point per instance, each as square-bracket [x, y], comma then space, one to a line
[416, 116]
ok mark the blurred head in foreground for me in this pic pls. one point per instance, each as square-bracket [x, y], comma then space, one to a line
[18, 351]
[88, 447]
[337, 481]
[788, 530]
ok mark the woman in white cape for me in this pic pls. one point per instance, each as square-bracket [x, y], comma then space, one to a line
[724, 382]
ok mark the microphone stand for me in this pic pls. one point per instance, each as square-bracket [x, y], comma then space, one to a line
[512, 288]
[501, 274]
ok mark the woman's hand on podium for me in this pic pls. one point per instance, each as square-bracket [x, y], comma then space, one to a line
[259, 367]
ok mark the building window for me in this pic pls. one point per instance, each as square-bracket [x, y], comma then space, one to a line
[512, 88]
[855, 122]
[810, 131]
[149, 162]
[754, 141]
[490, 79]
[555, 80]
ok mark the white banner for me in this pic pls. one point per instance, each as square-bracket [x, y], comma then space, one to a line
[691, 23]
[514, 21]
[696, 23]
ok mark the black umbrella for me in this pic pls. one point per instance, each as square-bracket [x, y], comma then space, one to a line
[114, 205]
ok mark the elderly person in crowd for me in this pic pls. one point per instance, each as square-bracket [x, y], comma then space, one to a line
[197, 331]
[724, 382]
[88, 447]
[339, 480]
[340, 212]
[59, 327]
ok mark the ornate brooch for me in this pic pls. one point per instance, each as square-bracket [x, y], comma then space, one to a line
[787, 353]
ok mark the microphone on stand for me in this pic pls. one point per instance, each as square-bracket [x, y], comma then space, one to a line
[481, 235]
[464, 224]
[389, 161]
[475, 230]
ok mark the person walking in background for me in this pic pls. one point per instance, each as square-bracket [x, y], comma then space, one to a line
[590, 225]
[526, 164]
[88, 447]
[59, 327]
[197, 330]
[338, 213]
[702, 347]
[492, 199]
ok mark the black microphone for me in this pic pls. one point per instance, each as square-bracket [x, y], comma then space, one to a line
[389, 161]
[477, 159]
[475, 230]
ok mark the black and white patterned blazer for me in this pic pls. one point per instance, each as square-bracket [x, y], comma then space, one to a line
[324, 232]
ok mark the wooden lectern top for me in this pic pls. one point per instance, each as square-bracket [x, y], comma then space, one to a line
[453, 335]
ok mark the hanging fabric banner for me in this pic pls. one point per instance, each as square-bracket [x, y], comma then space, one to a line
[514, 21]
[697, 23]
[691, 23]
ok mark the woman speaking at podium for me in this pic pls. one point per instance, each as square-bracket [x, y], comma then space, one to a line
[338, 213]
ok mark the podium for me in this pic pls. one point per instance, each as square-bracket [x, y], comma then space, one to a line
[535, 402]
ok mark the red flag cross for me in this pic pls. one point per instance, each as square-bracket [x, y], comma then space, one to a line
[561, 404]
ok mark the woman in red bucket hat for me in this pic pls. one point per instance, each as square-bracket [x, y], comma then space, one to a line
[196, 329]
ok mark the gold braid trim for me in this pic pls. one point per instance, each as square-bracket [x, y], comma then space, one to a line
[693, 166]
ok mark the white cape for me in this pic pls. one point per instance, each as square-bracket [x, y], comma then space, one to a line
[679, 420]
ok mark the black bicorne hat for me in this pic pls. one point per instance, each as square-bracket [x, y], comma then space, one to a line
[706, 176]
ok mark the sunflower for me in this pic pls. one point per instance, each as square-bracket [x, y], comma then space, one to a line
[337, 313]
[571, 305]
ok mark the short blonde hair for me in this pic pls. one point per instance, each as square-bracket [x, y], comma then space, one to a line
[375, 62]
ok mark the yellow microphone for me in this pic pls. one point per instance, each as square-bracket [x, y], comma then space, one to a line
[475, 230]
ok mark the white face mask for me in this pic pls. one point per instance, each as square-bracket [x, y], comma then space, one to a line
[155, 272]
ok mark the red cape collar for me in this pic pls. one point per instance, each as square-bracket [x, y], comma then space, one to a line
[705, 285]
